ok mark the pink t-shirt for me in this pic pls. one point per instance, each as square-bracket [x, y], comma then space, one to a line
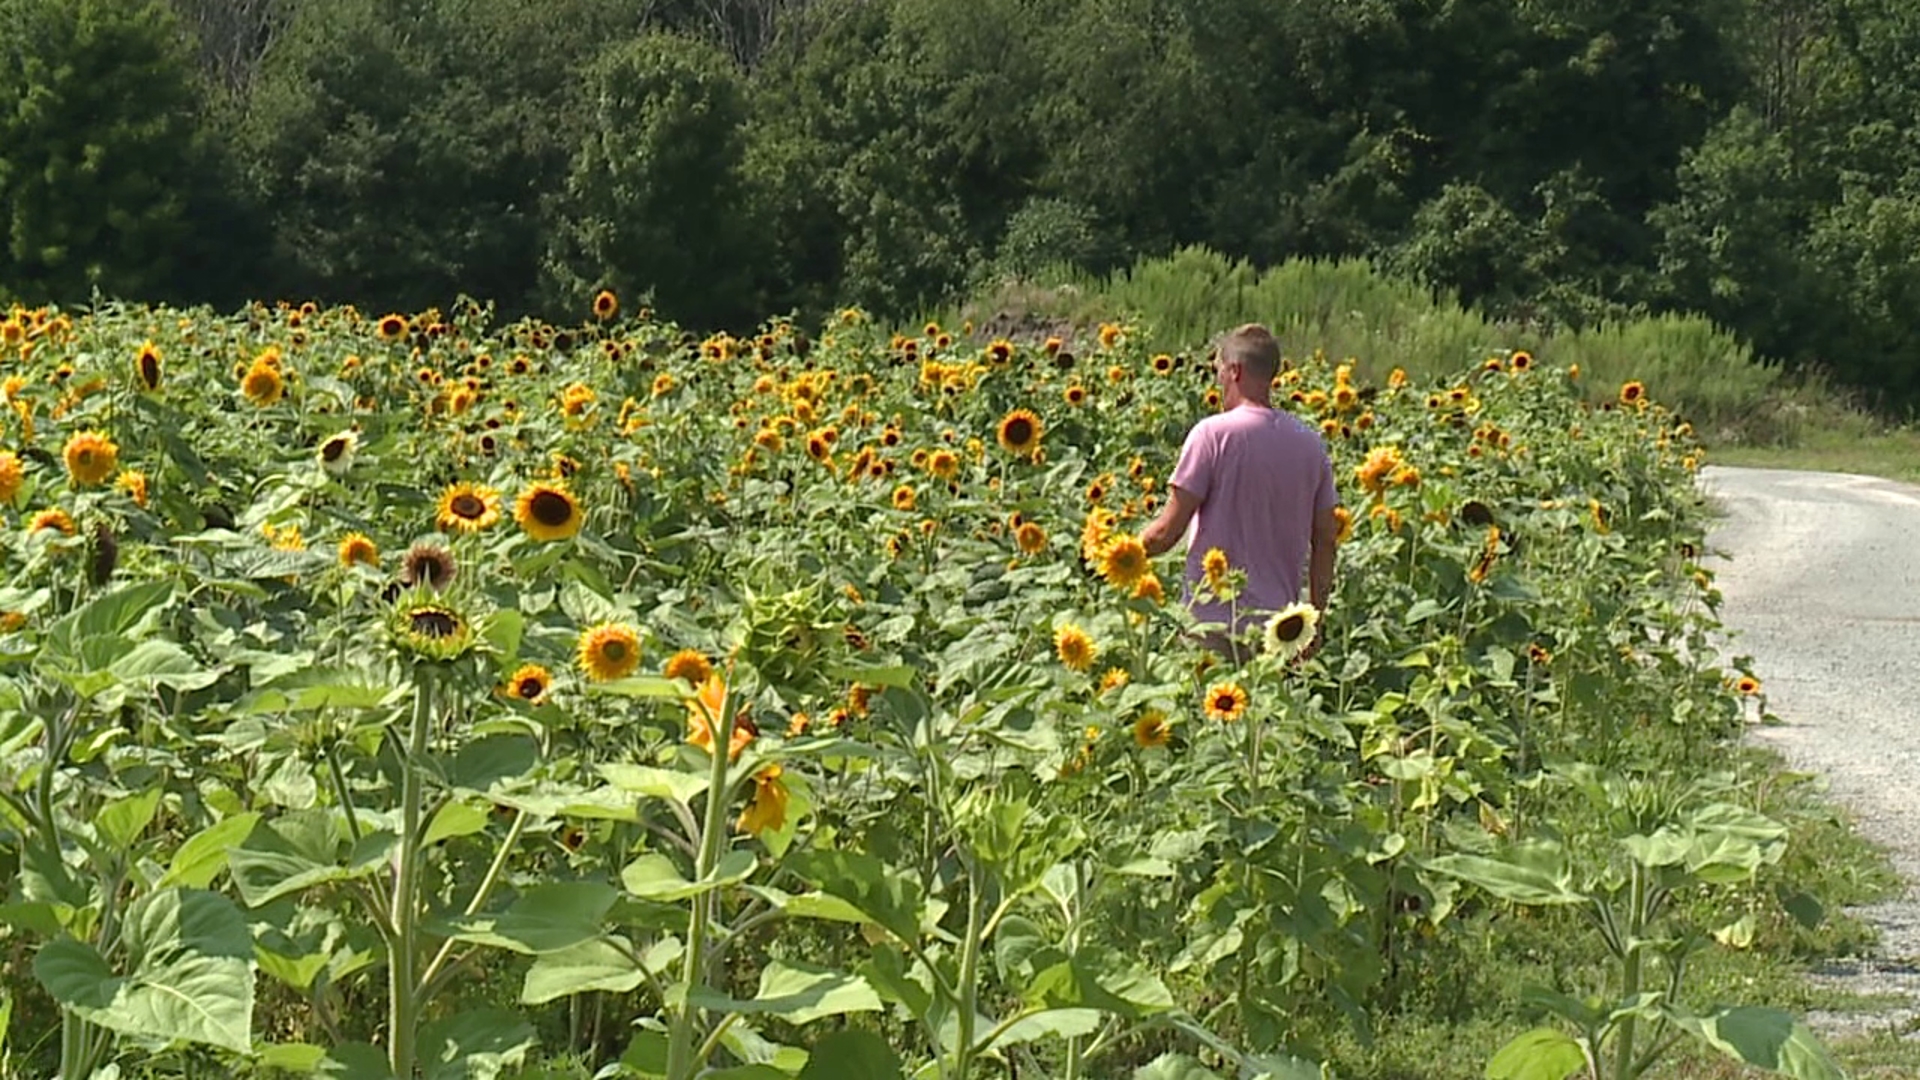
[1261, 476]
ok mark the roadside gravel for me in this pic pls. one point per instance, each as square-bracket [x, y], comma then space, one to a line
[1821, 575]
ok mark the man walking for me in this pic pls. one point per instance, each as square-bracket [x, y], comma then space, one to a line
[1257, 484]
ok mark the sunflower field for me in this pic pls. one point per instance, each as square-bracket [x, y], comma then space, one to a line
[363, 681]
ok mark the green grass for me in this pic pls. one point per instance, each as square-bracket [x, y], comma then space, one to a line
[1854, 444]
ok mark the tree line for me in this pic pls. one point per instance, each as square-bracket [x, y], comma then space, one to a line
[1565, 161]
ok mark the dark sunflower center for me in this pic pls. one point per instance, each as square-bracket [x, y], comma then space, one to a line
[333, 450]
[1019, 430]
[1290, 628]
[434, 623]
[84, 456]
[1223, 703]
[468, 506]
[550, 508]
[150, 369]
[613, 651]
[531, 687]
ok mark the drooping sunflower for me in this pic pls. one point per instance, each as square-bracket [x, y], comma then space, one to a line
[767, 811]
[91, 458]
[689, 664]
[605, 305]
[1123, 561]
[468, 508]
[1152, 729]
[1602, 517]
[1633, 393]
[1214, 566]
[1291, 630]
[1150, 590]
[609, 651]
[1226, 701]
[359, 548]
[1075, 649]
[428, 566]
[134, 483]
[51, 519]
[548, 511]
[146, 367]
[708, 706]
[1020, 431]
[1747, 686]
[530, 683]
[1113, 679]
[12, 476]
[1343, 517]
[1031, 538]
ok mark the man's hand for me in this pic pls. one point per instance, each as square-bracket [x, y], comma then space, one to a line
[1171, 525]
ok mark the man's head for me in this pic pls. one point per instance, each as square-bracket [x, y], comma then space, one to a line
[1246, 359]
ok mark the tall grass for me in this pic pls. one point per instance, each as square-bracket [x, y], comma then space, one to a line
[1349, 310]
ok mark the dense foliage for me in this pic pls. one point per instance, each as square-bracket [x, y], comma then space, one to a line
[1562, 162]
[363, 681]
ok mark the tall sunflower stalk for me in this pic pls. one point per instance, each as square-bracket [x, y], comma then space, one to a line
[403, 945]
[682, 1060]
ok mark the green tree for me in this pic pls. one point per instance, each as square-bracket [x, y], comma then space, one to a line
[98, 149]
[654, 202]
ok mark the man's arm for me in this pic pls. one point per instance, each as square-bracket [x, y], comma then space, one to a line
[1171, 525]
[1320, 559]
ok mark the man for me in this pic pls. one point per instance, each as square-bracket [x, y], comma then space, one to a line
[1258, 484]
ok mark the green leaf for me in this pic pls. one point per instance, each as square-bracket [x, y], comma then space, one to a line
[1174, 1067]
[474, 1044]
[354, 1061]
[121, 821]
[641, 686]
[482, 763]
[542, 919]
[1049, 1023]
[887, 897]
[298, 851]
[900, 676]
[1766, 1039]
[809, 905]
[455, 819]
[1530, 872]
[204, 855]
[747, 1072]
[1540, 1054]
[1806, 909]
[191, 978]
[602, 964]
[654, 877]
[655, 783]
[851, 1055]
[796, 993]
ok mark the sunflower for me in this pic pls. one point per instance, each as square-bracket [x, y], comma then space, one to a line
[12, 476]
[1214, 565]
[336, 454]
[430, 630]
[1343, 518]
[1074, 394]
[1291, 630]
[262, 383]
[91, 458]
[662, 384]
[429, 566]
[1150, 590]
[548, 511]
[1113, 679]
[1031, 538]
[1020, 431]
[708, 705]
[609, 651]
[1162, 364]
[1123, 561]
[359, 548]
[1602, 517]
[1226, 701]
[146, 367]
[768, 809]
[1075, 649]
[903, 497]
[468, 508]
[1633, 393]
[1538, 655]
[51, 519]
[944, 464]
[1152, 729]
[392, 327]
[605, 305]
[1521, 361]
[530, 683]
[1747, 686]
[1381, 463]
[689, 664]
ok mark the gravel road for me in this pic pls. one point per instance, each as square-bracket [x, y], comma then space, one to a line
[1821, 575]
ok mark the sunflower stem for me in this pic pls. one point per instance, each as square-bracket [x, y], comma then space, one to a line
[681, 1058]
[403, 1000]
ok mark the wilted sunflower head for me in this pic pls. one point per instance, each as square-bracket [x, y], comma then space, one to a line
[428, 566]
[1291, 630]
[336, 454]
